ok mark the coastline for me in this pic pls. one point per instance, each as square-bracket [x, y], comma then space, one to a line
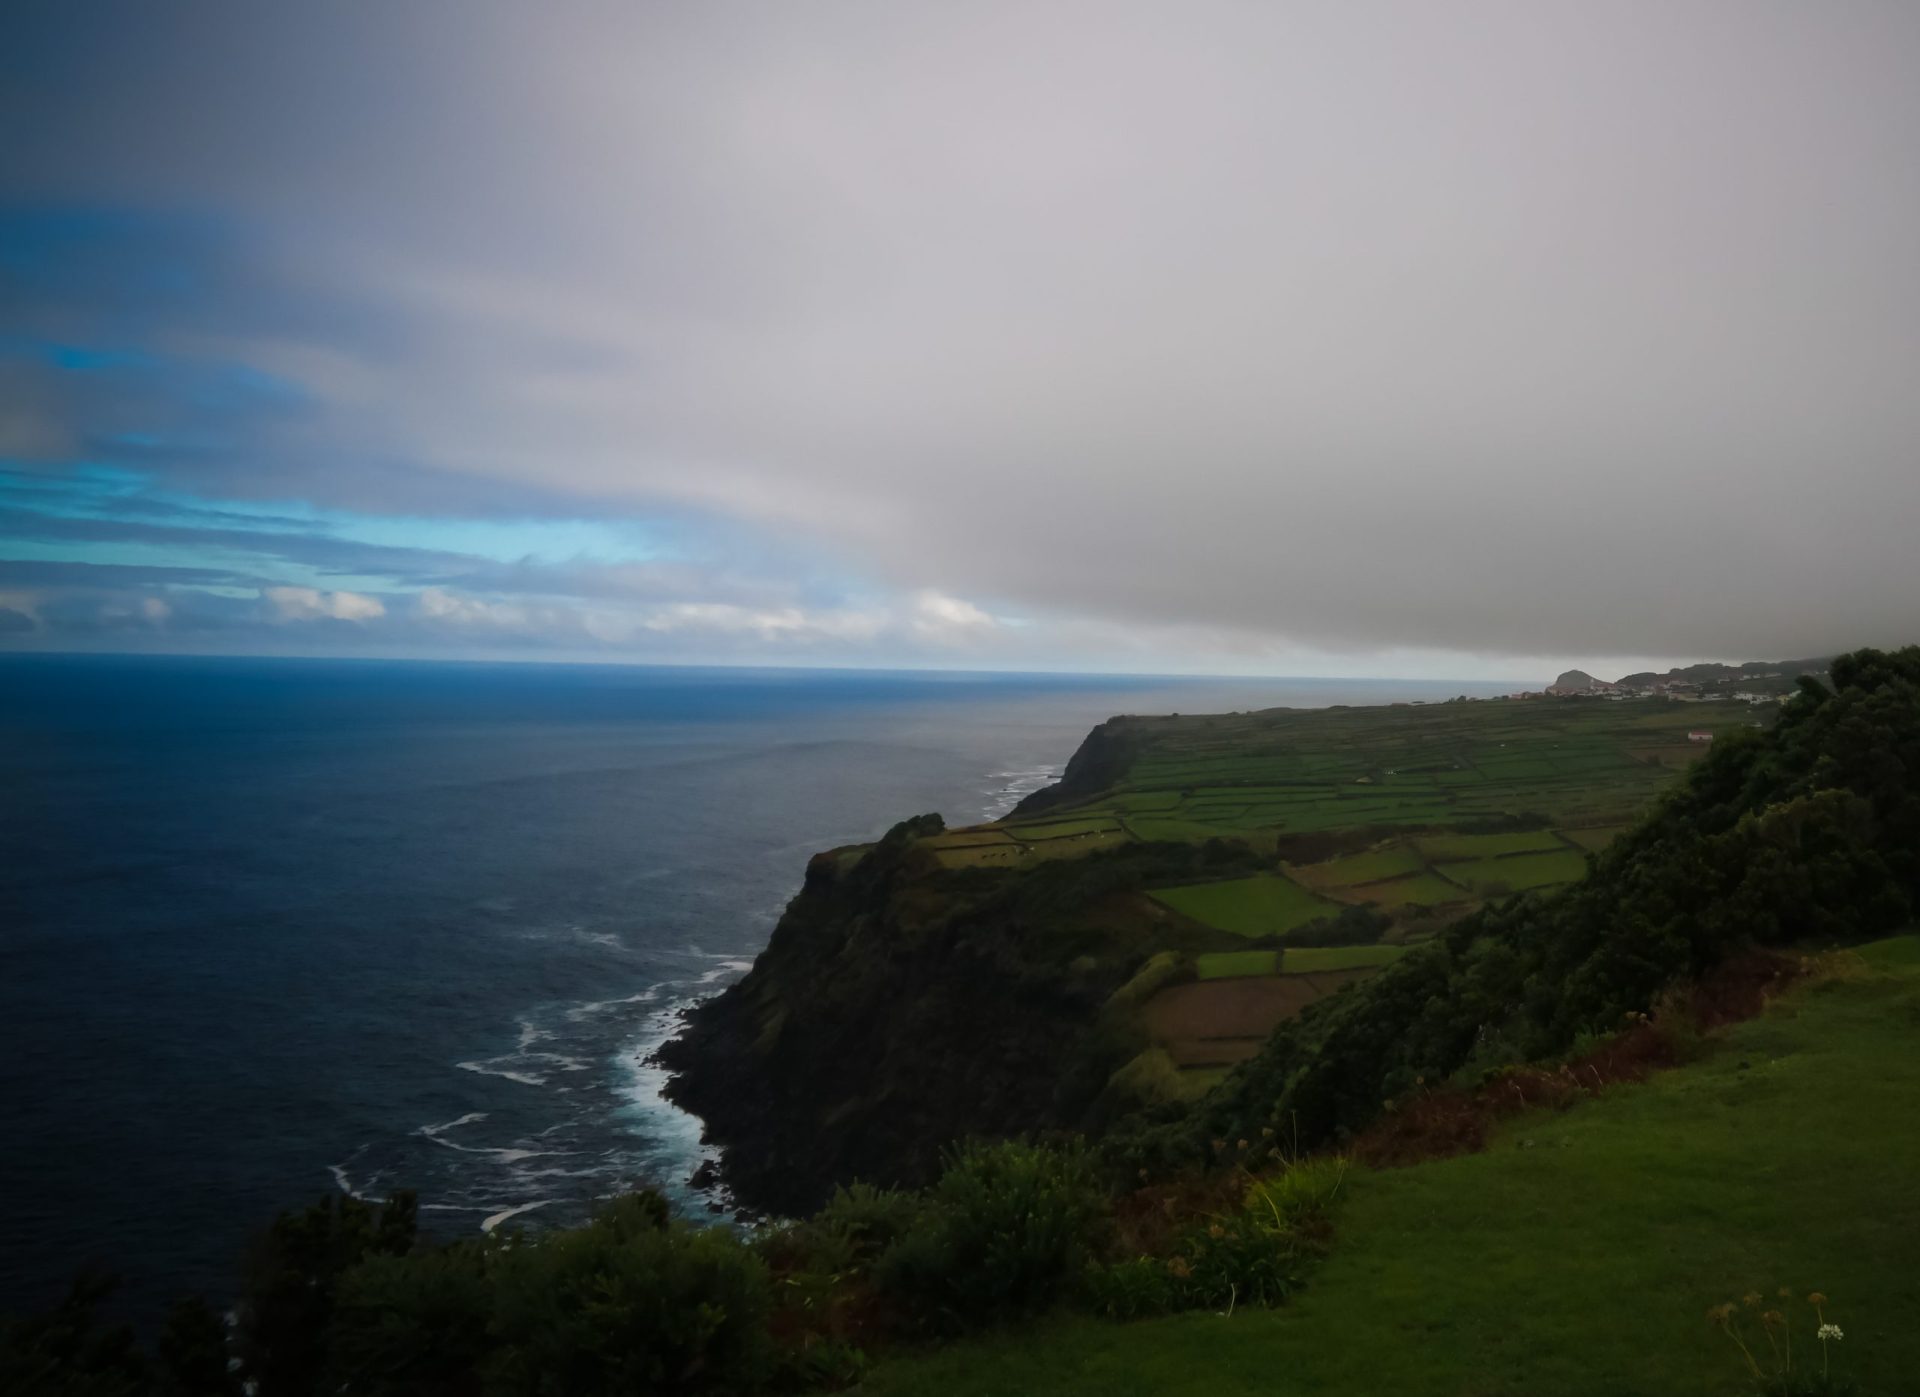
[675, 1030]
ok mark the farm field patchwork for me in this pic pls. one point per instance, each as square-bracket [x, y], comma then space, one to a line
[1435, 767]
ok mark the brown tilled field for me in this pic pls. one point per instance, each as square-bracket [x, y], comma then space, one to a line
[1210, 1022]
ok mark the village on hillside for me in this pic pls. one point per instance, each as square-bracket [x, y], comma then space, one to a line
[1756, 683]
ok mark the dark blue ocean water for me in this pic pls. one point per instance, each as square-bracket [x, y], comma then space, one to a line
[273, 927]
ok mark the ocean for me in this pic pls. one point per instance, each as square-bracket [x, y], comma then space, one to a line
[270, 928]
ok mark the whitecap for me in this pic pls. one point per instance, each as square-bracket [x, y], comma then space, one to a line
[597, 1006]
[345, 1184]
[489, 1223]
[529, 1069]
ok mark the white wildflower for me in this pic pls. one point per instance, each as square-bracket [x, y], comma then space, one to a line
[1830, 1331]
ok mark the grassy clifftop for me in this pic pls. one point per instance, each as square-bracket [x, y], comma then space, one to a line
[1579, 1252]
[945, 983]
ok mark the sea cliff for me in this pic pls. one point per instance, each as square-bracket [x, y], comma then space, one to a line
[902, 1006]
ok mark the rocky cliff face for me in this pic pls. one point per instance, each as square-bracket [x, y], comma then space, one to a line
[901, 1007]
[1101, 759]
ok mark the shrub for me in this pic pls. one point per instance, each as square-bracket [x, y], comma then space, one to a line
[1241, 1258]
[286, 1307]
[870, 1219]
[414, 1326]
[1253, 1254]
[1301, 1194]
[1133, 1289]
[1006, 1231]
[66, 1352]
[1353, 926]
[627, 1305]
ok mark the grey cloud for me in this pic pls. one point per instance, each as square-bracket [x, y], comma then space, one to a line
[1553, 328]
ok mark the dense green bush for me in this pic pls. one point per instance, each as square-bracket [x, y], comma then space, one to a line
[1256, 1253]
[852, 1231]
[292, 1277]
[627, 1305]
[414, 1326]
[1006, 1231]
[1352, 926]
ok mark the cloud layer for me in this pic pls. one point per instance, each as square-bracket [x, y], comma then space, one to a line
[1215, 335]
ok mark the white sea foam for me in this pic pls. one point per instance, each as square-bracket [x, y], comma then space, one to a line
[599, 1006]
[488, 1224]
[345, 1183]
[468, 1119]
[499, 1154]
[1016, 785]
[529, 1069]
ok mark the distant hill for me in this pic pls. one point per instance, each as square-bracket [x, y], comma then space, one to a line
[1574, 681]
[1760, 676]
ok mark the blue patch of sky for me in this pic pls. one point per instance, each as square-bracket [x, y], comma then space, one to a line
[107, 492]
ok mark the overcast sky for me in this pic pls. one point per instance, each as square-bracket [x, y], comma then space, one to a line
[1356, 338]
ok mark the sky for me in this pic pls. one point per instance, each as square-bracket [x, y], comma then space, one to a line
[1473, 340]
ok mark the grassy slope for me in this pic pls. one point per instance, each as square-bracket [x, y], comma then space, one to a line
[1584, 1264]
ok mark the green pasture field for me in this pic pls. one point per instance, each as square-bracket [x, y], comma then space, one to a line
[1007, 855]
[968, 838]
[1370, 867]
[1427, 769]
[1311, 960]
[1579, 1252]
[1227, 965]
[1518, 872]
[1594, 840]
[1247, 906]
[1444, 847]
[1156, 829]
[1063, 829]
[1420, 890]
[1131, 802]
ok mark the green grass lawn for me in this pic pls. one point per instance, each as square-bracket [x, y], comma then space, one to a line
[1306, 960]
[1226, 965]
[1247, 906]
[1519, 871]
[1577, 1256]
